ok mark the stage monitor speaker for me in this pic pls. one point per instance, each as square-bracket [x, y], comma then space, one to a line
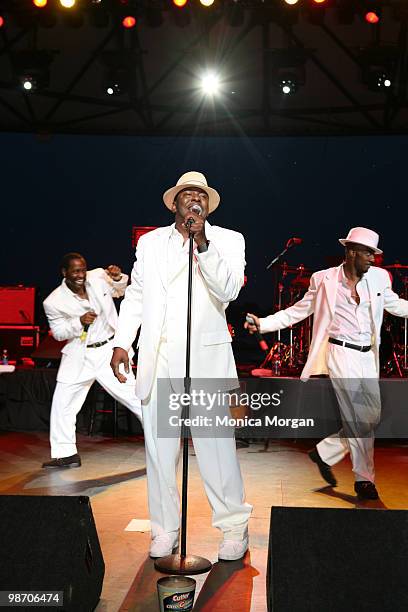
[17, 305]
[51, 544]
[332, 560]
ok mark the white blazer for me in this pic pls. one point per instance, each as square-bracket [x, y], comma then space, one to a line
[218, 278]
[63, 313]
[320, 299]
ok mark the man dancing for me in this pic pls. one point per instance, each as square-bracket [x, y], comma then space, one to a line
[157, 300]
[348, 303]
[81, 310]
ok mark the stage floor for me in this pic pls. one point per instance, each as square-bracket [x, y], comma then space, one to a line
[113, 476]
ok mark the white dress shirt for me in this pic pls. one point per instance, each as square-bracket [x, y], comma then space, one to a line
[100, 330]
[352, 322]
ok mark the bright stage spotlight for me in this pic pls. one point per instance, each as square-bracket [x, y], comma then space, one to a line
[179, 3]
[40, 3]
[206, 2]
[129, 22]
[1, 21]
[67, 3]
[372, 17]
[210, 83]
[319, 1]
[291, 1]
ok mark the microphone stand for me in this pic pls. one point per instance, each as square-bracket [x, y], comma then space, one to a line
[182, 563]
[273, 262]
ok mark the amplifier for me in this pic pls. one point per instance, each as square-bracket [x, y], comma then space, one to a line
[19, 340]
[17, 305]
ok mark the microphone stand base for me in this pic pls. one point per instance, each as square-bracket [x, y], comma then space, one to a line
[188, 565]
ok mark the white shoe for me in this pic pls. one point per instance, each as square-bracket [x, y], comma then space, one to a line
[232, 550]
[164, 544]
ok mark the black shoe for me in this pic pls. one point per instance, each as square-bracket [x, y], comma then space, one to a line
[365, 489]
[324, 469]
[74, 461]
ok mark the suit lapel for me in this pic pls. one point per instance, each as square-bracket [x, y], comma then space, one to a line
[370, 278]
[161, 252]
[330, 284]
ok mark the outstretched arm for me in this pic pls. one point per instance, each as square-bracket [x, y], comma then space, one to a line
[299, 311]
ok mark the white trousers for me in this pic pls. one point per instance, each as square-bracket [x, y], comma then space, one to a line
[68, 398]
[217, 462]
[355, 381]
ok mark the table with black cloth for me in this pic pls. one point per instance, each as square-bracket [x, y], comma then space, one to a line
[25, 404]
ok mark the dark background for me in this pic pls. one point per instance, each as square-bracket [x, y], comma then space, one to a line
[84, 193]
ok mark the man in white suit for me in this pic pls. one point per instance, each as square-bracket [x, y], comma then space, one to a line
[348, 304]
[156, 300]
[82, 312]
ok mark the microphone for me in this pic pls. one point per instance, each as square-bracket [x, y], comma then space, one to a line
[262, 344]
[84, 332]
[85, 328]
[293, 242]
[198, 210]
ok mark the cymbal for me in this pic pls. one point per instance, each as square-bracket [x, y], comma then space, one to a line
[396, 266]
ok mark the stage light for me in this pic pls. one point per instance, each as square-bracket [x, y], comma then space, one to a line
[27, 84]
[1, 21]
[377, 79]
[210, 83]
[119, 73]
[40, 3]
[288, 71]
[179, 3]
[67, 3]
[319, 1]
[372, 17]
[291, 1]
[288, 84]
[206, 2]
[129, 22]
[378, 65]
[32, 69]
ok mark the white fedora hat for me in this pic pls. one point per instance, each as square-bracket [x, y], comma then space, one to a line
[364, 236]
[192, 179]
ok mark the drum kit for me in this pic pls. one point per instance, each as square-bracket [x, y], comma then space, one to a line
[289, 352]
[394, 335]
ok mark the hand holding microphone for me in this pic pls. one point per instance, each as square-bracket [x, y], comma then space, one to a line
[252, 325]
[87, 319]
[195, 223]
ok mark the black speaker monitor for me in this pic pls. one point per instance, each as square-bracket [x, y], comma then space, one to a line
[332, 560]
[51, 544]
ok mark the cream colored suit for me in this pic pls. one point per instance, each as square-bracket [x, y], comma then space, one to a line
[354, 374]
[158, 295]
[81, 366]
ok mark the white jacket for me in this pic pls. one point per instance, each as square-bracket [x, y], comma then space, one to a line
[320, 300]
[64, 311]
[218, 279]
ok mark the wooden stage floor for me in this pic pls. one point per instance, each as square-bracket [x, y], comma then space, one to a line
[113, 476]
